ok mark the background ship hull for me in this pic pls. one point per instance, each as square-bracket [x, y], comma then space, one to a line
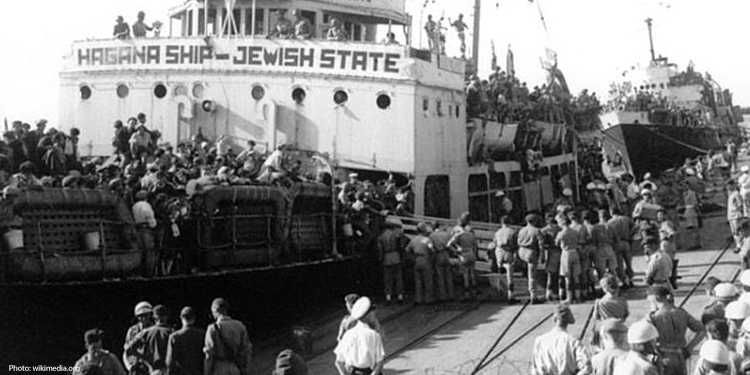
[655, 148]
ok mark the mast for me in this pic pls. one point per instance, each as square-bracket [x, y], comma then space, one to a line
[475, 41]
[650, 39]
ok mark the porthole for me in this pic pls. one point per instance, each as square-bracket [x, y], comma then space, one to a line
[258, 92]
[340, 97]
[180, 90]
[122, 91]
[384, 101]
[298, 95]
[160, 91]
[198, 90]
[85, 92]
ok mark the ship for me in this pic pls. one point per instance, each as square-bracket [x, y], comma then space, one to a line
[387, 111]
[659, 115]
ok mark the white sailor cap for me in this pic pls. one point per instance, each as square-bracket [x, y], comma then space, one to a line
[715, 351]
[737, 310]
[567, 192]
[590, 186]
[647, 176]
[689, 171]
[725, 291]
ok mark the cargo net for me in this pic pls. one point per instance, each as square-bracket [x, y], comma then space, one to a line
[72, 231]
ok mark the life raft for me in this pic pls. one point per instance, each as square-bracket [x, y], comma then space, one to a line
[67, 234]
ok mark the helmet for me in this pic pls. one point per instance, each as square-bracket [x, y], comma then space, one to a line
[642, 332]
[725, 291]
[745, 278]
[737, 310]
[361, 307]
[590, 186]
[567, 192]
[646, 192]
[601, 186]
[715, 351]
[143, 308]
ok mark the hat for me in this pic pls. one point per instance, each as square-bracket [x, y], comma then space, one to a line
[642, 332]
[613, 325]
[609, 283]
[737, 310]
[290, 363]
[590, 186]
[187, 312]
[715, 351]
[689, 171]
[567, 192]
[69, 181]
[142, 308]
[422, 227]
[500, 194]
[141, 195]
[601, 186]
[745, 278]
[394, 222]
[647, 176]
[725, 291]
[646, 192]
[353, 175]
[361, 308]
[745, 168]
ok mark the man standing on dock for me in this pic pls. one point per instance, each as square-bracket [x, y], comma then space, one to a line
[735, 211]
[227, 346]
[672, 324]
[422, 248]
[360, 351]
[504, 244]
[530, 240]
[557, 351]
[390, 245]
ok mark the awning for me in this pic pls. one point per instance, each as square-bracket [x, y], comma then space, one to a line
[394, 10]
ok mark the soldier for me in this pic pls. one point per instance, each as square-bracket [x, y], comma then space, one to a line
[185, 350]
[558, 352]
[613, 334]
[227, 346]
[735, 211]
[622, 226]
[529, 244]
[668, 242]
[604, 237]
[659, 269]
[505, 245]
[422, 249]
[611, 306]
[390, 245]
[552, 255]
[143, 312]
[585, 245]
[714, 359]
[464, 242]
[460, 26]
[443, 269]
[430, 27]
[570, 265]
[736, 312]
[672, 324]
[724, 293]
[719, 330]
[153, 343]
[642, 359]
[744, 184]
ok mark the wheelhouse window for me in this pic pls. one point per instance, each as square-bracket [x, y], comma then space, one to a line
[437, 196]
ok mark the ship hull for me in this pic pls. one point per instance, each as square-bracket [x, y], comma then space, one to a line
[52, 318]
[654, 148]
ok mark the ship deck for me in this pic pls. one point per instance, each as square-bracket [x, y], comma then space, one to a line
[453, 339]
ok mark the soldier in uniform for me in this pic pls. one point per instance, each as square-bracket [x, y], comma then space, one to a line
[718, 330]
[672, 324]
[668, 241]
[505, 243]
[390, 245]
[659, 269]
[736, 312]
[464, 242]
[622, 226]
[643, 357]
[227, 346]
[610, 306]
[723, 294]
[422, 249]
[570, 266]
[443, 269]
[585, 245]
[714, 359]
[97, 356]
[557, 351]
[529, 244]
[151, 344]
[552, 255]
[143, 312]
[613, 334]
[604, 237]
[735, 210]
